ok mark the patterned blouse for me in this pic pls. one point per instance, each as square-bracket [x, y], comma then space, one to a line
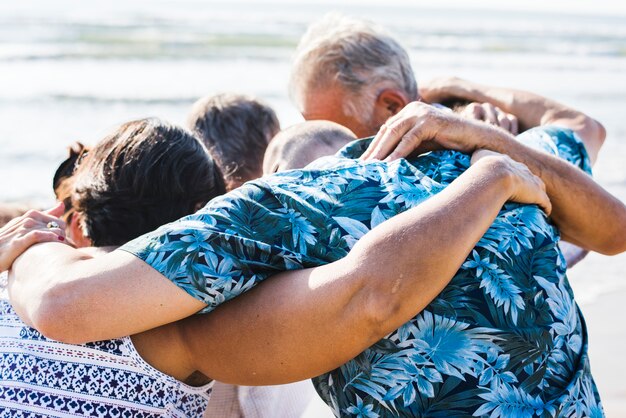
[505, 337]
[40, 377]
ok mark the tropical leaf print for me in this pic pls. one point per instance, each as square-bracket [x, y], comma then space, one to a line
[503, 339]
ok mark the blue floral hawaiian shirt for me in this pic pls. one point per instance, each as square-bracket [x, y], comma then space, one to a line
[505, 337]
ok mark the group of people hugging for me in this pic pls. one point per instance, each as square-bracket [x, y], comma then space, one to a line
[403, 248]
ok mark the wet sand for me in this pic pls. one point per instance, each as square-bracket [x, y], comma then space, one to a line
[604, 314]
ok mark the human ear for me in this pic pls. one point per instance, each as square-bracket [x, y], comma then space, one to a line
[75, 231]
[198, 206]
[391, 101]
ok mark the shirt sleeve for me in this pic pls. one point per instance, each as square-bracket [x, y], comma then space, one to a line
[562, 142]
[221, 251]
[355, 148]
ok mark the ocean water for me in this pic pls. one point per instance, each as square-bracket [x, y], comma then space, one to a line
[72, 70]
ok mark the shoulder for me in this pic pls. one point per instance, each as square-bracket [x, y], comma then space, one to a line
[558, 141]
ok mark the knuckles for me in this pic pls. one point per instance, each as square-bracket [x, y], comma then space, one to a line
[29, 223]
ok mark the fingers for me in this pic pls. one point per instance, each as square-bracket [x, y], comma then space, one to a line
[507, 121]
[493, 115]
[407, 145]
[527, 187]
[490, 113]
[32, 220]
[367, 155]
[45, 218]
[485, 112]
[514, 124]
[474, 111]
[544, 202]
[539, 195]
[400, 129]
[13, 244]
[36, 237]
[388, 137]
[43, 224]
[503, 121]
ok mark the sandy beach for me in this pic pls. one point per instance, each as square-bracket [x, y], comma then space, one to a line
[606, 349]
[604, 315]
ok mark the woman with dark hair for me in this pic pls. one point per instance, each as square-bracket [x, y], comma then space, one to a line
[147, 173]
[143, 175]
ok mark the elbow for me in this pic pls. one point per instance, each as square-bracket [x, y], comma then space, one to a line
[373, 305]
[59, 317]
[592, 133]
[600, 131]
[388, 294]
[590, 130]
[615, 242]
[383, 307]
[593, 130]
[616, 245]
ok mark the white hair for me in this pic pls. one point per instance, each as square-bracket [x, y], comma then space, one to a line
[360, 55]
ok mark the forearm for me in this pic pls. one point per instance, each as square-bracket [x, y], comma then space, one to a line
[29, 283]
[534, 110]
[586, 214]
[70, 296]
[418, 252]
[531, 109]
[302, 323]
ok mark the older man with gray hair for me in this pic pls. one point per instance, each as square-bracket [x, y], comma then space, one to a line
[355, 73]
[351, 72]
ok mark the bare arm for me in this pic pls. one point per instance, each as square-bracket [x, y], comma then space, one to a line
[586, 214]
[300, 324]
[531, 109]
[72, 297]
[29, 229]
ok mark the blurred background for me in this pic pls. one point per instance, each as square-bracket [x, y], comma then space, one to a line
[71, 70]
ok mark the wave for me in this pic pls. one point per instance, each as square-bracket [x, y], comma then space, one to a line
[124, 30]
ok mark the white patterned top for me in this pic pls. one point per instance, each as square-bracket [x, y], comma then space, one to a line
[43, 377]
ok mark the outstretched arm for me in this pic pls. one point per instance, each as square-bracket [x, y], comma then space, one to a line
[300, 324]
[531, 109]
[72, 297]
[586, 214]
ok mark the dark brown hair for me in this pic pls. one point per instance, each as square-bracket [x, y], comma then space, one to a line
[236, 130]
[145, 174]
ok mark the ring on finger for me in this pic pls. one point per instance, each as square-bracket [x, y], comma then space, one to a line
[52, 225]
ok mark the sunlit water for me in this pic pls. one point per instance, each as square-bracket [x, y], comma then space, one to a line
[71, 70]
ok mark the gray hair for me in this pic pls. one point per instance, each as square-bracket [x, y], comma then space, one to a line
[358, 54]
